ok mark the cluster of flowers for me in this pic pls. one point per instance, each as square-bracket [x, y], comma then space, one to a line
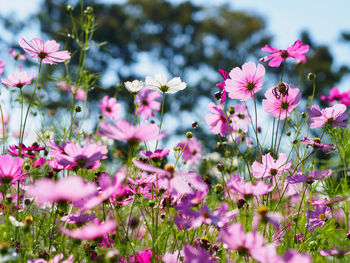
[65, 181]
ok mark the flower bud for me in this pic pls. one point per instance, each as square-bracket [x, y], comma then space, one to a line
[195, 125]
[77, 108]
[288, 133]
[311, 76]
[303, 115]
[220, 167]
[231, 110]
[70, 8]
[218, 188]
[88, 10]
[189, 135]
[218, 95]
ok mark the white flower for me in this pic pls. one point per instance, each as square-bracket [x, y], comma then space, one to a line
[161, 83]
[15, 222]
[134, 87]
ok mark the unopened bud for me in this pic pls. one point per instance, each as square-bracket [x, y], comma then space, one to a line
[231, 110]
[220, 167]
[311, 76]
[218, 95]
[70, 8]
[77, 109]
[189, 135]
[195, 124]
[303, 115]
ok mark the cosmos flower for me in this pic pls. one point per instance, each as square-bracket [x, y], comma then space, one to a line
[192, 152]
[91, 231]
[56, 259]
[18, 80]
[332, 116]
[16, 55]
[243, 83]
[45, 52]
[110, 108]
[297, 51]
[157, 154]
[193, 255]
[71, 188]
[313, 176]
[316, 144]
[281, 100]
[334, 252]
[317, 217]
[30, 151]
[134, 86]
[216, 120]
[270, 167]
[124, 131]
[2, 65]
[335, 95]
[11, 169]
[248, 189]
[146, 101]
[222, 85]
[87, 157]
[161, 83]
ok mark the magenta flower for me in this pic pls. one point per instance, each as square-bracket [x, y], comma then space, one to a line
[11, 169]
[146, 101]
[16, 55]
[248, 189]
[91, 231]
[78, 218]
[29, 152]
[124, 131]
[18, 80]
[269, 167]
[333, 116]
[297, 51]
[313, 176]
[316, 144]
[222, 85]
[110, 108]
[45, 52]
[281, 100]
[157, 154]
[335, 95]
[2, 65]
[292, 256]
[192, 152]
[70, 188]
[88, 156]
[244, 83]
[216, 120]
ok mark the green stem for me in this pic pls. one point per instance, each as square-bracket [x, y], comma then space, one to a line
[161, 119]
[3, 130]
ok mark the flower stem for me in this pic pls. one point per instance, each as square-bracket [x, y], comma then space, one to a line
[161, 119]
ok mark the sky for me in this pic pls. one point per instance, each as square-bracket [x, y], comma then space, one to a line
[324, 19]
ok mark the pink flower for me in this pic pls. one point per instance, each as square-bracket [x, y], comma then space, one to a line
[78, 218]
[80, 94]
[16, 55]
[11, 169]
[70, 188]
[110, 108]
[297, 51]
[45, 52]
[192, 152]
[222, 85]
[244, 83]
[108, 188]
[30, 151]
[333, 116]
[248, 189]
[56, 259]
[334, 252]
[240, 118]
[281, 100]
[124, 131]
[335, 95]
[292, 256]
[18, 80]
[2, 65]
[269, 167]
[146, 101]
[316, 144]
[313, 176]
[195, 255]
[317, 217]
[157, 154]
[91, 231]
[235, 238]
[216, 120]
[88, 156]
[174, 182]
